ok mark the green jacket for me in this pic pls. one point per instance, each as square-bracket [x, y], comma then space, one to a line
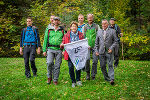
[55, 38]
[90, 33]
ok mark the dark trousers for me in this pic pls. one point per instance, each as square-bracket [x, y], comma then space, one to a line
[29, 51]
[94, 63]
[116, 55]
[72, 74]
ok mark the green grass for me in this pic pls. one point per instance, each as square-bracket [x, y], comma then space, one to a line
[132, 82]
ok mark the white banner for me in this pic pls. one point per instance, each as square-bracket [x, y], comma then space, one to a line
[78, 52]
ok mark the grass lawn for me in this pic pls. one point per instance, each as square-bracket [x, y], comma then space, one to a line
[132, 82]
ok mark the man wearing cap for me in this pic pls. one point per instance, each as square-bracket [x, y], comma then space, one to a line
[119, 34]
[90, 30]
[80, 22]
[51, 48]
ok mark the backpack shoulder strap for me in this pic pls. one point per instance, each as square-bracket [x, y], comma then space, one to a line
[48, 37]
[116, 27]
[62, 32]
[49, 32]
[34, 28]
[25, 29]
[85, 27]
[62, 29]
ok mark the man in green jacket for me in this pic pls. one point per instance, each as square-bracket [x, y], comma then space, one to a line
[51, 49]
[90, 30]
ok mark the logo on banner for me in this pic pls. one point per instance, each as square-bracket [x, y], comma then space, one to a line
[76, 61]
[77, 49]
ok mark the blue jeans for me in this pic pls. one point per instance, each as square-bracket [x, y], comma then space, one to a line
[71, 72]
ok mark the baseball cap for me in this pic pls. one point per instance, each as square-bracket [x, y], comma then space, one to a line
[56, 18]
[113, 19]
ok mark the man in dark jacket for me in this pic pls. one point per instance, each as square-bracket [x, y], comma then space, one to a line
[29, 40]
[119, 34]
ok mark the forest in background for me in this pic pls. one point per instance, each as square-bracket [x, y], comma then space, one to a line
[133, 17]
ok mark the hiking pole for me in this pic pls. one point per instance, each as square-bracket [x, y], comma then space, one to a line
[122, 51]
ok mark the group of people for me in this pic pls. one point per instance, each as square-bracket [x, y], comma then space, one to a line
[103, 45]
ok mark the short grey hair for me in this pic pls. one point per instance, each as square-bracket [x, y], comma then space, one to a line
[105, 20]
[90, 14]
[52, 15]
[80, 15]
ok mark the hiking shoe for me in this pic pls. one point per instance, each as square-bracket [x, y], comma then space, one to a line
[88, 77]
[112, 82]
[49, 80]
[79, 83]
[73, 85]
[55, 83]
[28, 76]
[115, 66]
[93, 78]
[34, 75]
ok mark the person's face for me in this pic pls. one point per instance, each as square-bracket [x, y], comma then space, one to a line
[52, 19]
[104, 25]
[56, 22]
[74, 28]
[80, 19]
[90, 18]
[112, 22]
[29, 22]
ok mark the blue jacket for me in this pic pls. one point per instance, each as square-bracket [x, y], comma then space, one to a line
[30, 36]
[80, 27]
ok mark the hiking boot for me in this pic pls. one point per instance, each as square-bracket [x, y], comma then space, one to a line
[49, 80]
[79, 83]
[55, 83]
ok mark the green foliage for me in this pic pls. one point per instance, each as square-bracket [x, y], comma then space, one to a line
[131, 82]
[138, 44]
[131, 15]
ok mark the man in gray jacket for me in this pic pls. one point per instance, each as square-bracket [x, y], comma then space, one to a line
[105, 42]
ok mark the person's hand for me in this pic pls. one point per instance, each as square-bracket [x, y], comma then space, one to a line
[61, 45]
[121, 34]
[44, 53]
[109, 51]
[63, 52]
[38, 51]
[97, 54]
[21, 52]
